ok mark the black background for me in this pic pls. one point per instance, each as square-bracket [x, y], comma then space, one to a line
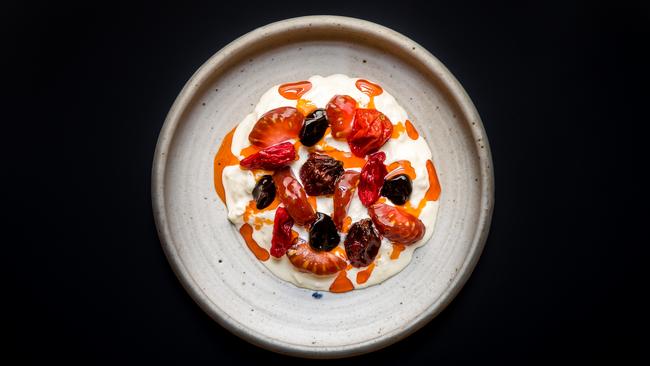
[561, 91]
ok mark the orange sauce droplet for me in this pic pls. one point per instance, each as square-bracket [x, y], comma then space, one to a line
[305, 106]
[295, 90]
[349, 160]
[363, 276]
[251, 208]
[222, 159]
[411, 131]
[347, 222]
[401, 167]
[370, 89]
[432, 194]
[342, 283]
[397, 250]
[340, 252]
[259, 222]
[398, 129]
[312, 202]
[297, 145]
[250, 150]
[260, 253]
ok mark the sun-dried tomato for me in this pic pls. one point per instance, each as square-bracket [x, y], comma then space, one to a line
[281, 240]
[306, 259]
[293, 196]
[372, 178]
[276, 125]
[370, 131]
[396, 224]
[271, 158]
[340, 113]
[343, 191]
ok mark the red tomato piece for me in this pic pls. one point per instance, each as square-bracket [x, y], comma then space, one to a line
[276, 125]
[370, 131]
[271, 158]
[372, 178]
[343, 191]
[340, 113]
[293, 196]
[306, 259]
[396, 224]
[281, 240]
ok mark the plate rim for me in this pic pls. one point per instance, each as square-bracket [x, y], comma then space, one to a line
[194, 85]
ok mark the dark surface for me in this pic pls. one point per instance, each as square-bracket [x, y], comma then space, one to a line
[560, 89]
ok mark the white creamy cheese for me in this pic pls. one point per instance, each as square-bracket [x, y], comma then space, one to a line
[238, 183]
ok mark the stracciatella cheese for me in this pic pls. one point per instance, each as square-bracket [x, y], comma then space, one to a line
[238, 183]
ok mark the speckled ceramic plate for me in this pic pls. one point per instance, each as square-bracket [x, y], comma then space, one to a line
[209, 256]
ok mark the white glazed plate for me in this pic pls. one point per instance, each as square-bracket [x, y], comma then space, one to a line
[206, 250]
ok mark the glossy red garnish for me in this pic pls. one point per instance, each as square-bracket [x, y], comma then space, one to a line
[343, 192]
[340, 112]
[281, 240]
[293, 196]
[276, 125]
[370, 131]
[396, 224]
[372, 178]
[306, 259]
[271, 158]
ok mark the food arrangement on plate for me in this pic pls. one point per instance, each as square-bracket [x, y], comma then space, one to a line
[329, 183]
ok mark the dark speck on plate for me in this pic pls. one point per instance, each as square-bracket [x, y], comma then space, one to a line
[316, 295]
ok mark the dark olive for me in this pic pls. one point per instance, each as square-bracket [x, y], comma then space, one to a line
[319, 174]
[264, 192]
[362, 243]
[323, 235]
[397, 189]
[314, 128]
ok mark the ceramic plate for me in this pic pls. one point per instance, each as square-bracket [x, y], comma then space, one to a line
[207, 252]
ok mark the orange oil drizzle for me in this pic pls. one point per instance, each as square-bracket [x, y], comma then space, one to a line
[312, 202]
[260, 253]
[363, 276]
[401, 167]
[411, 131]
[397, 250]
[340, 252]
[349, 160]
[222, 159]
[295, 90]
[347, 221]
[370, 89]
[432, 194]
[305, 106]
[342, 283]
[398, 129]
[251, 210]
[250, 150]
